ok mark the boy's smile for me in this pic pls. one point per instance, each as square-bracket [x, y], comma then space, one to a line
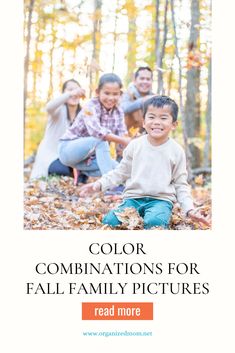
[158, 124]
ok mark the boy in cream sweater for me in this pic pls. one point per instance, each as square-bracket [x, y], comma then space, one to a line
[153, 169]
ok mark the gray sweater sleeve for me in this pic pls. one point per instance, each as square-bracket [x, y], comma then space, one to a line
[53, 105]
[182, 187]
[130, 106]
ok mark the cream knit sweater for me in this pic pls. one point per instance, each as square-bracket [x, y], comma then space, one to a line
[152, 171]
[56, 126]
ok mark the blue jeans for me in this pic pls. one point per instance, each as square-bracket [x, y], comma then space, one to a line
[76, 153]
[56, 167]
[154, 212]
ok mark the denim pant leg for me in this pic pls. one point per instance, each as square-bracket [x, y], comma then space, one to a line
[72, 152]
[157, 213]
[90, 168]
[111, 219]
[103, 157]
[57, 168]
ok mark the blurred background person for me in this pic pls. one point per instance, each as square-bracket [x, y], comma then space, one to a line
[62, 112]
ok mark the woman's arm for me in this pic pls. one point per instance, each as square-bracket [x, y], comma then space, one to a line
[56, 103]
[53, 105]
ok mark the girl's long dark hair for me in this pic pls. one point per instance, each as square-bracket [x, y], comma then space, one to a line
[67, 108]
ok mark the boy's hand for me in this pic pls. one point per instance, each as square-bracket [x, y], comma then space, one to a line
[195, 215]
[90, 189]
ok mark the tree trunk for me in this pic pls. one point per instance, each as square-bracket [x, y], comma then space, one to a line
[37, 62]
[132, 40]
[74, 64]
[157, 38]
[96, 36]
[160, 88]
[206, 161]
[170, 75]
[115, 37]
[61, 72]
[51, 88]
[35, 73]
[150, 59]
[26, 60]
[187, 150]
[192, 106]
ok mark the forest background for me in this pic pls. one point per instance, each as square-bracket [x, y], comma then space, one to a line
[81, 39]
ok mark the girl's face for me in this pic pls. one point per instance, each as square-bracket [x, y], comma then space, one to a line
[74, 99]
[109, 94]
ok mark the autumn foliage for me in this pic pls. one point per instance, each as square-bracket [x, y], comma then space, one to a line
[55, 204]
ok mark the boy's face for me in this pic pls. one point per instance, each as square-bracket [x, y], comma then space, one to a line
[158, 124]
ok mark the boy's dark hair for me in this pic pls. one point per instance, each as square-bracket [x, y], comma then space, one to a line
[160, 102]
[142, 68]
[109, 78]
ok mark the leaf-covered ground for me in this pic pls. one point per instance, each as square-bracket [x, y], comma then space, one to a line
[55, 204]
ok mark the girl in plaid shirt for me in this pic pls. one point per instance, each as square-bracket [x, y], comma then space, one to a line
[85, 145]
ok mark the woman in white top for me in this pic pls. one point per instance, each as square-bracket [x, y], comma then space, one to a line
[62, 111]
